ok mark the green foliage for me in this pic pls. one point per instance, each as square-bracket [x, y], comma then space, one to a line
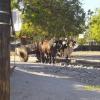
[30, 30]
[53, 17]
[81, 41]
[92, 87]
[94, 27]
[14, 4]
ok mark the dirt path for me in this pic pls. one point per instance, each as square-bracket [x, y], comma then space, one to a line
[39, 85]
[86, 53]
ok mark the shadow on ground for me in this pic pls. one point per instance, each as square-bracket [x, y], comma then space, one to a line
[84, 74]
[28, 86]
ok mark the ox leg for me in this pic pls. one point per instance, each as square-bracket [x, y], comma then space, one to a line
[49, 58]
[67, 59]
[42, 58]
[38, 55]
[53, 58]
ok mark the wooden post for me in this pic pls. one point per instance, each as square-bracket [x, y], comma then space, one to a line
[4, 50]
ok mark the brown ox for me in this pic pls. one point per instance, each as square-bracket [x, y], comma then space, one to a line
[48, 52]
[69, 49]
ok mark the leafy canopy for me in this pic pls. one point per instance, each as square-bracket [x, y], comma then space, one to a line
[94, 27]
[53, 17]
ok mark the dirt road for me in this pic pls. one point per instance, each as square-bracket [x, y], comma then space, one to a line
[28, 83]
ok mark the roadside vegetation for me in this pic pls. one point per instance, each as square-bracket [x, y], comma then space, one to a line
[92, 88]
[94, 26]
[58, 18]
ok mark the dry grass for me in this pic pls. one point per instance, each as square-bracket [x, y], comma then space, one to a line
[92, 88]
[86, 53]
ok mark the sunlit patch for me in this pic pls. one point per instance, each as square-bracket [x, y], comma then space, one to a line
[92, 88]
[78, 87]
[41, 73]
[87, 87]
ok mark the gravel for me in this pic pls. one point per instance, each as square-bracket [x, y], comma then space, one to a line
[84, 74]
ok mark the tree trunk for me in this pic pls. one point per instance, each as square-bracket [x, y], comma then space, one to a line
[4, 50]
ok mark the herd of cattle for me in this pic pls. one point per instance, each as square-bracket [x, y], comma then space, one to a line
[46, 51]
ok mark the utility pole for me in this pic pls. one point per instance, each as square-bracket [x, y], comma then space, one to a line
[4, 50]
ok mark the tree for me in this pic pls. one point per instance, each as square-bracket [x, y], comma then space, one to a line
[94, 27]
[4, 50]
[54, 17]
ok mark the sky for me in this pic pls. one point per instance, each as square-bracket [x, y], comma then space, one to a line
[90, 4]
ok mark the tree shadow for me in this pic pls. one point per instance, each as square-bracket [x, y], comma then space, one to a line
[81, 73]
[29, 86]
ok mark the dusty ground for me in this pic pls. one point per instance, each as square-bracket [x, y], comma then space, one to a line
[78, 53]
[94, 56]
[32, 81]
[86, 53]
